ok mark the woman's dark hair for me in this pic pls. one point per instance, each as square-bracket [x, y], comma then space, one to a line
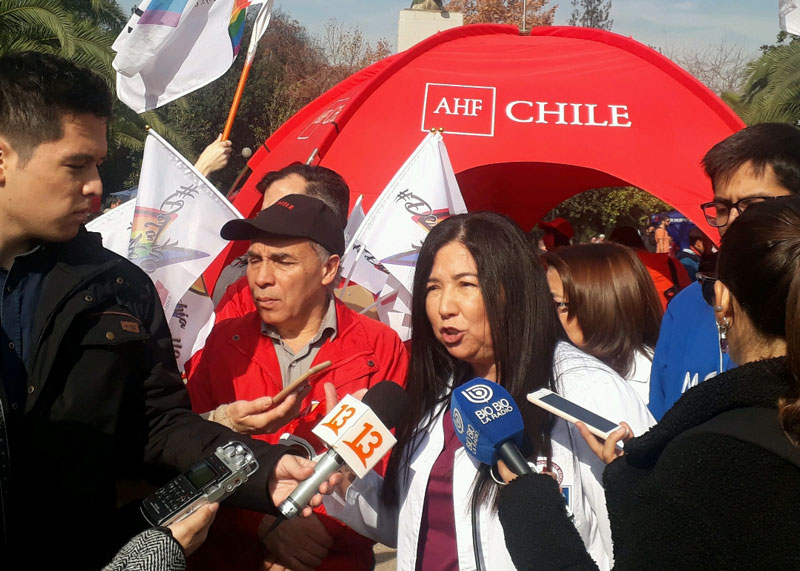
[524, 330]
[759, 262]
[613, 298]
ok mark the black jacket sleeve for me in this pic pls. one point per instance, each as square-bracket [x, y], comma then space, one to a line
[538, 533]
[178, 437]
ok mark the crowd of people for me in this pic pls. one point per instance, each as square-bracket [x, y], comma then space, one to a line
[94, 413]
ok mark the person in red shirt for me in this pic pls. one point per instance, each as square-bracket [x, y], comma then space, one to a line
[292, 261]
[666, 272]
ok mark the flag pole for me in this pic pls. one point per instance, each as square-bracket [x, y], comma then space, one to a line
[260, 26]
[352, 269]
[349, 247]
[378, 301]
[237, 98]
[359, 200]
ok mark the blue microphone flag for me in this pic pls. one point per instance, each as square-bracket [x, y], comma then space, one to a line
[485, 416]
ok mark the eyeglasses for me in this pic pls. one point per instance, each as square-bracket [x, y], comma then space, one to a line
[707, 280]
[718, 211]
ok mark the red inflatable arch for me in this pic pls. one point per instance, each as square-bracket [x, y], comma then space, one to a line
[528, 120]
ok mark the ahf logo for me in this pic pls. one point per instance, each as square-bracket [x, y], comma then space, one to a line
[479, 394]
[459, 109]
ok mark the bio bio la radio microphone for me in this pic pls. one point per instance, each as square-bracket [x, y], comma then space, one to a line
[488, 423]
[357, 434]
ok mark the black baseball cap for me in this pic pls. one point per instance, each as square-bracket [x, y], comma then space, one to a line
[294, 215]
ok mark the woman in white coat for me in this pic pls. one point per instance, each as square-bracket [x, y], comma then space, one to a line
[481, 308]
[608, 306]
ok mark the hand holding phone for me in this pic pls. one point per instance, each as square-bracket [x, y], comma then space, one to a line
[611, 448]
[297, 384]
[589, 424]
[572, 412]
[266, 415]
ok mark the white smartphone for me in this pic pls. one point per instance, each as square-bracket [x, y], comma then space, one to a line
[572, 412]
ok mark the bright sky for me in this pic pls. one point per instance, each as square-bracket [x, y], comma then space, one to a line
[749, 23]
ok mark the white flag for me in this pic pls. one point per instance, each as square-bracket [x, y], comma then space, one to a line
[171, 231]
[115, 227]
[395, 308]
[789, 16]
[171, 47]
[191, 322]
[175, 235]
[358, 264]
[422, 193]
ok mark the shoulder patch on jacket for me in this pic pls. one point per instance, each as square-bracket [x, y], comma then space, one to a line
[129, 326]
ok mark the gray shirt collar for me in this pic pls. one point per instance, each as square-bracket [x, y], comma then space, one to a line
[328, 324]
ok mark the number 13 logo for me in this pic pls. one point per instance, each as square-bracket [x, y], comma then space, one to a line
[340, 418]
[364, 450]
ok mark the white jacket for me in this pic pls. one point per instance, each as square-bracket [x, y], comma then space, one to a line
[639, 377]
[580, 378]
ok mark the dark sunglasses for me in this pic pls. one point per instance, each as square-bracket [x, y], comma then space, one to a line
[707, 280]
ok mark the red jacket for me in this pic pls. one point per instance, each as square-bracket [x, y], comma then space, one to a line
[658, 266]
[239, 362]
[235, 302]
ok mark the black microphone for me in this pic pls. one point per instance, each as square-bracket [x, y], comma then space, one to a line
[388, 401]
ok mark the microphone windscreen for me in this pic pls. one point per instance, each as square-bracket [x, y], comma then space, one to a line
[485, 416]
[388, 401]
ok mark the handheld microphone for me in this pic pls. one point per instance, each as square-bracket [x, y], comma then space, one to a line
[488, 423]
[358, 433]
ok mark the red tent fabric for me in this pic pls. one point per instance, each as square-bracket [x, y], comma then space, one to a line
[528, 121]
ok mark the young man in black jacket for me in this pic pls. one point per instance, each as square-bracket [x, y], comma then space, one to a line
[90, 395]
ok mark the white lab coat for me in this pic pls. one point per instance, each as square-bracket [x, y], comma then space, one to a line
[580, 378]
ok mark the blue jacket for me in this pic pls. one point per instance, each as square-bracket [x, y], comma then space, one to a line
[687, 352]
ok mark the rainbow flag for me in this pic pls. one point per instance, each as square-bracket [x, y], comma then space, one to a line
[236, 27]
[172, 47]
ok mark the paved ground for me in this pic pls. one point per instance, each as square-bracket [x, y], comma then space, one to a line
[384, 558]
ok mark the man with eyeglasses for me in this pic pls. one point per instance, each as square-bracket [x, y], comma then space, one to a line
[758, 163]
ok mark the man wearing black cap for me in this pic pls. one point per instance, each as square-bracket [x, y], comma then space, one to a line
[292, 262]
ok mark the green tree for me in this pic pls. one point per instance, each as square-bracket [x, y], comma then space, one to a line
[83, 31]
[600, 210]
[291, 69]
[591, 14]
[771, 90]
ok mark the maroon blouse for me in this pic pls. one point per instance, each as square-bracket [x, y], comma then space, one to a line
[436, 548]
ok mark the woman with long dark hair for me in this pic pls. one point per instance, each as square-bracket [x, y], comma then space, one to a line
[715, 484]
[608, 307]
[481, 307]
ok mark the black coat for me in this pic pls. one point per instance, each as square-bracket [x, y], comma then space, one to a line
[683, 496]
[104, 400]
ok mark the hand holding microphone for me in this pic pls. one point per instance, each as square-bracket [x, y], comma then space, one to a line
[488, 423]
[358, 434]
